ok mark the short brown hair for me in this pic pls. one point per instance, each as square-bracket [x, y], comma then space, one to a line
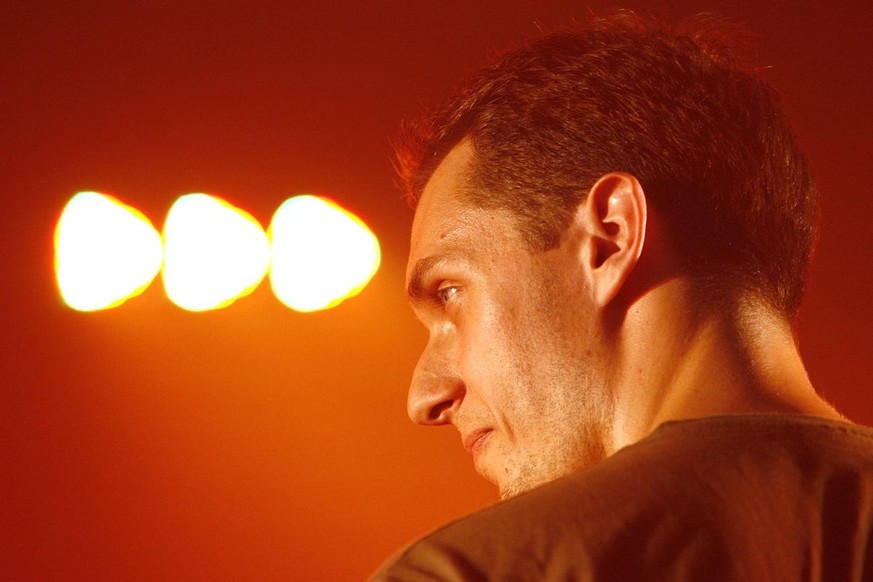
[707, 140]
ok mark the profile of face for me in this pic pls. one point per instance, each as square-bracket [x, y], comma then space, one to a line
[513, 344]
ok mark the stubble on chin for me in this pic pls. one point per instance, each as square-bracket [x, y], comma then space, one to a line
[538, 470]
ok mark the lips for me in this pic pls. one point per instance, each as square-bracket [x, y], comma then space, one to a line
[475, 441]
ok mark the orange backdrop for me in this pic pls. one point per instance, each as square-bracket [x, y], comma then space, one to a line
[147, 442]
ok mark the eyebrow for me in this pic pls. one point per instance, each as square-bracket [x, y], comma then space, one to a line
[416, 289]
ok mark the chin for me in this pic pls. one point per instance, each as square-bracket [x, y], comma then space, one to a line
[527, 479]
[510, 489]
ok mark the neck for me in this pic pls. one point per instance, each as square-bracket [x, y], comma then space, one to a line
[678, 364]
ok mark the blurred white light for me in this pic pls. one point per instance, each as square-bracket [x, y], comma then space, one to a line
[214, 253]
[105, 252]
[322, 254]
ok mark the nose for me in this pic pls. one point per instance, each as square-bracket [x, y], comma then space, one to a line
[436, 391]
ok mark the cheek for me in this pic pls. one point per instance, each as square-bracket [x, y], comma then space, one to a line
[501, 364]
[474, 352]
[484, 343]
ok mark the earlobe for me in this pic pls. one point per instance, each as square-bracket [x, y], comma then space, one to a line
[616, 213]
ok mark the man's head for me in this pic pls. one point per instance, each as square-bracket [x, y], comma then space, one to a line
[707, 141]
[535, 191]
[512, 358]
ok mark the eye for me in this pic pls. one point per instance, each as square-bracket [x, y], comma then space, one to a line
[445, 294]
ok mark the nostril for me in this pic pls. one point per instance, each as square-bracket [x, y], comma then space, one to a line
[436, 412]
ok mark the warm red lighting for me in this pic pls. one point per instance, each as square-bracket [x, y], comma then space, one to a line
[215, 253]
[322, 254]
[317, 253]
[105, 252]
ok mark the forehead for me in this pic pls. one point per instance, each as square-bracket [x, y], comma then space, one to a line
[445, 223]
[440, 204]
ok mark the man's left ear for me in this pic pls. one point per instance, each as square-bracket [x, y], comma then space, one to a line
[615, 215]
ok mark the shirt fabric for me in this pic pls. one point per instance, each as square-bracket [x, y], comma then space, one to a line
[739, 498]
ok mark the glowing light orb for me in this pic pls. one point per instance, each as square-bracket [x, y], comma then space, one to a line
[215, 253]
[322, 254]
[105, 252]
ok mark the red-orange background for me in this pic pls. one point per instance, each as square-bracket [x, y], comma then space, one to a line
[146, 442]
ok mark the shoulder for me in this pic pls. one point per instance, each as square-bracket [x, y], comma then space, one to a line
[668, 501]
[557, 526]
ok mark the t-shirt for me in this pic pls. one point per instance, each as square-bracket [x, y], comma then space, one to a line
[745, 498]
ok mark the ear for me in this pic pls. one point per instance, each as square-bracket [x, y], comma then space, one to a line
[614, 215]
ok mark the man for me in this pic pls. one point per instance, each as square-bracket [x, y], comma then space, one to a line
[610, 244]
